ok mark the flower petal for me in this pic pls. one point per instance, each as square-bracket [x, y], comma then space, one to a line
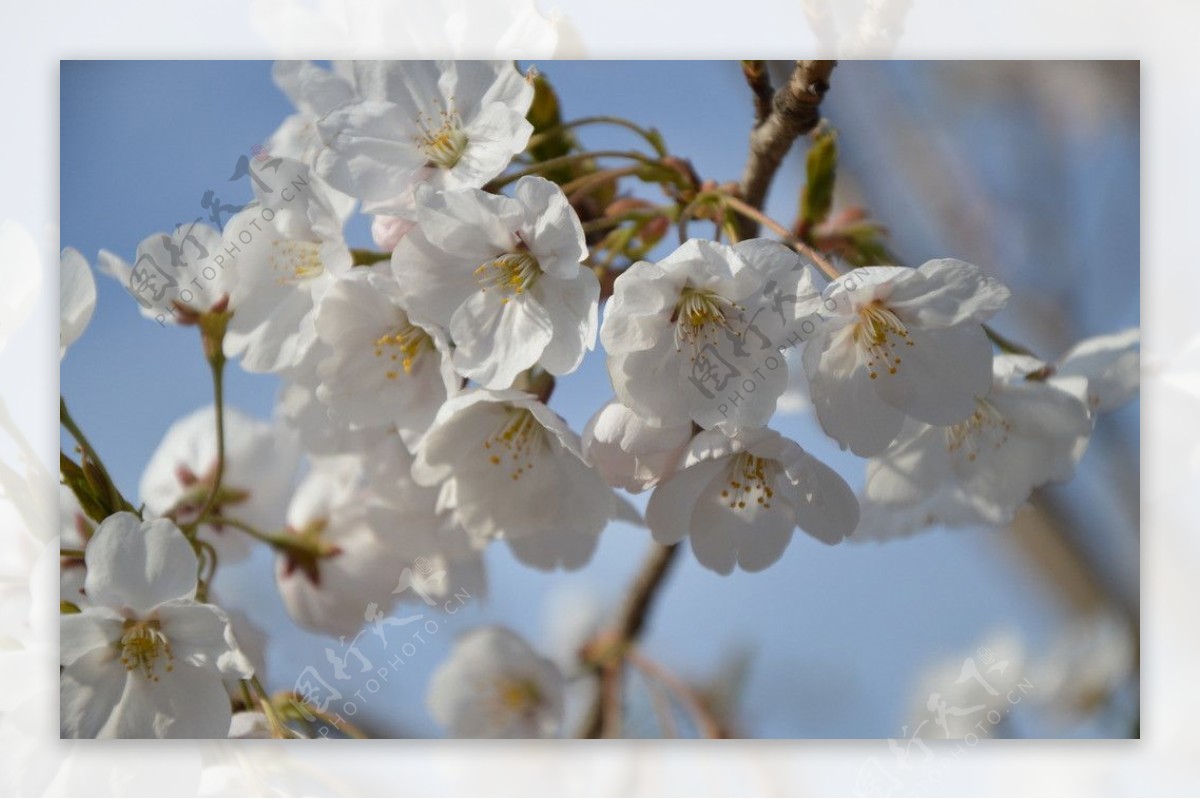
[669, 512]
[90, 688]
[495, 340]
[201, 635]
[79, 634]
[940, 375]
[139, 565]
[845, 398]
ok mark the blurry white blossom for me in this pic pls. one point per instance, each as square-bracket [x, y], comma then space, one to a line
[260, 461]
[289, 250]
[176, 276]
[20, 274]
[77, 298]
[494, 685]
[342, 563]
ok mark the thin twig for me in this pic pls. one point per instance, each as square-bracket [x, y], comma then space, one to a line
[795, 110]
[749, 212]
[649, 136]
[568, 160]
[708, 724]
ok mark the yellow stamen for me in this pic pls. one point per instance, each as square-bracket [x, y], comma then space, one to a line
[405, 343]
[443, 140]
[985, 427]
[751, 481]
[296, 261]
[700, 315]
[521, 437]
[142, 646]
[502, 698]
[878, 332]
[511, 274]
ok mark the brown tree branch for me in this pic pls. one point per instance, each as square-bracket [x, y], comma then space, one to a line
[760, 83]
[795, 110]
[609, 652]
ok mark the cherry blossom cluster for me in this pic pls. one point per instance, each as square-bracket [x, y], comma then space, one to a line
[416, 400]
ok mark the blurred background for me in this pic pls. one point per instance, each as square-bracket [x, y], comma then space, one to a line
[1029, 169]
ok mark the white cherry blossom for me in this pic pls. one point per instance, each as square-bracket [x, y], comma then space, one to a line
[452, 124]
[630, 452]
[77, 298]
[144, 659]
[176, 276]
[345, 564]
[260, 460]
[1111, 364]
[512, 469]
[738, 500]
[698, 335]
[503, 276]
[289, 250]
[1023, 434]
[315, 92]
[440, 559]
[382, 368]
[309, 419]
[898, 343]
[494, 685]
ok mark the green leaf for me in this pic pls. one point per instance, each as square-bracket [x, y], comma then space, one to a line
[821, 169]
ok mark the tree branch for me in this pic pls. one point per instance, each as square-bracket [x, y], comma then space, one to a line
[625, 631]
[760, 83]
[795, 110]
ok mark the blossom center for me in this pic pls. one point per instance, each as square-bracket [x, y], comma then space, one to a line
[511, 696]
[878, 332]
[403, 345]
[750, 481]
[986, 427]
[700, 315]
[143, 645]
[511, 274]
[296, 261]
[443, 141]
[516, 442]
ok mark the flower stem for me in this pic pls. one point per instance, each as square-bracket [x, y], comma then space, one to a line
[1006, 344]
[750, 212]
[274, 539]
[113, 499]
[214, 351]
[567, 160]
[708, 724]
[650, 136]
[217, 366]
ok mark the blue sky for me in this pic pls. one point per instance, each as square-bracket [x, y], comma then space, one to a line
[837, 635]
